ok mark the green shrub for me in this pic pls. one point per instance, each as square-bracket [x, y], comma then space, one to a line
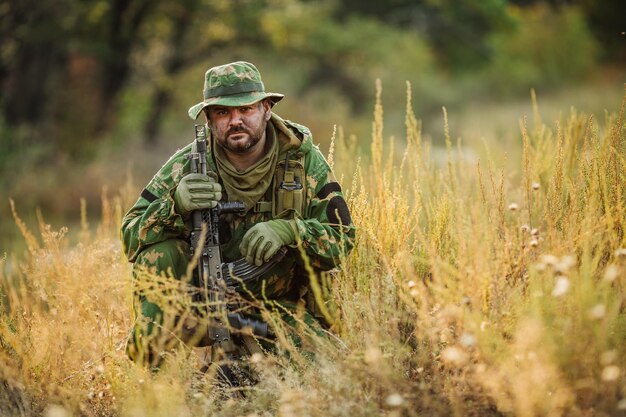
[546, 47]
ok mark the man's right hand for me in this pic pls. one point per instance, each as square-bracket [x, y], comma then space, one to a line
[196, 192]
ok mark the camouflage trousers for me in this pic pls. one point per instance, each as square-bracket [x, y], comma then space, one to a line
[157, 264]
[165, 263]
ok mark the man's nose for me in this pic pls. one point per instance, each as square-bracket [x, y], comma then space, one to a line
[235, 117]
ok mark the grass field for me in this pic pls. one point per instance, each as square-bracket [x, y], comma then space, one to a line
[473, 289]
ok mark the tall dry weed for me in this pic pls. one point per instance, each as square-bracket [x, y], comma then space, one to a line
[471, 290]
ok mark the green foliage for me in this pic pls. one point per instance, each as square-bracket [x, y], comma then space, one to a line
[546, 47]
[456, 30]
[349, 54]
[73, 61]
[459, 30]
[606, 19]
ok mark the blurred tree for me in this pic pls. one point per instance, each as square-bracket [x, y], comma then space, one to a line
[104, 35]
[30, 56]
[350, 53]
[546, 48]
[64, 62]
[458, 30]
[83, 53]
[190, 31]
[606, 18]
[115, 34]
[180, 17]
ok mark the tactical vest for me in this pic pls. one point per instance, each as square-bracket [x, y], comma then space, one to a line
[288, 187]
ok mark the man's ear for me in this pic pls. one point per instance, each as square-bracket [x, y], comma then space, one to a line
[267, 107]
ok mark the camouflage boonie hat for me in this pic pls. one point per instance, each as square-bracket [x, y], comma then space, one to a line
[235, 84]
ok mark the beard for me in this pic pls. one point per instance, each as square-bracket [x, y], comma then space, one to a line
[239, 139]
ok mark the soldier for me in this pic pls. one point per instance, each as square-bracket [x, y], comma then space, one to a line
[252, 153]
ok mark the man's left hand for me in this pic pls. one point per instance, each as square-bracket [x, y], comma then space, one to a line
[264, 239]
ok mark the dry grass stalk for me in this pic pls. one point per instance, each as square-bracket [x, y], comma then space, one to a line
[450, 304]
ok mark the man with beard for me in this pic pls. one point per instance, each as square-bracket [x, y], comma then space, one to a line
[290, 196]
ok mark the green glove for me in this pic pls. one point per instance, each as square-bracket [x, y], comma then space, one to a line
[264, 239]
[196, 192]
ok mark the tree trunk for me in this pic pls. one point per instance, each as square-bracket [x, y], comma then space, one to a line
[125, 19]
[175, 61]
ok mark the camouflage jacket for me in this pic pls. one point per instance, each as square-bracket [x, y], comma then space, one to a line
[325, 227]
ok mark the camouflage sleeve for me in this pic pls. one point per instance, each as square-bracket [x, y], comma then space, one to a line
[326, 229]
[153, 219]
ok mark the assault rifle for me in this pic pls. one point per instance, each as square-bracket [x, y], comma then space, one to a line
[215, 278]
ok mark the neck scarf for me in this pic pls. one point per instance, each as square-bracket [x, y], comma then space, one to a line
[249, 186]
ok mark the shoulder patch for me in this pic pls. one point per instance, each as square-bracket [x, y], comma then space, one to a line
[148, 195]
[338, 212]
[328, 188]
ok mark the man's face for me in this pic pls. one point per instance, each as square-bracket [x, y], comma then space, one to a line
[239, 129]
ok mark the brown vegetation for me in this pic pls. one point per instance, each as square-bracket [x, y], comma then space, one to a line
[471, 291]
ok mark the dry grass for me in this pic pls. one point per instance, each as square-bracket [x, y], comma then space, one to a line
[471, 291]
